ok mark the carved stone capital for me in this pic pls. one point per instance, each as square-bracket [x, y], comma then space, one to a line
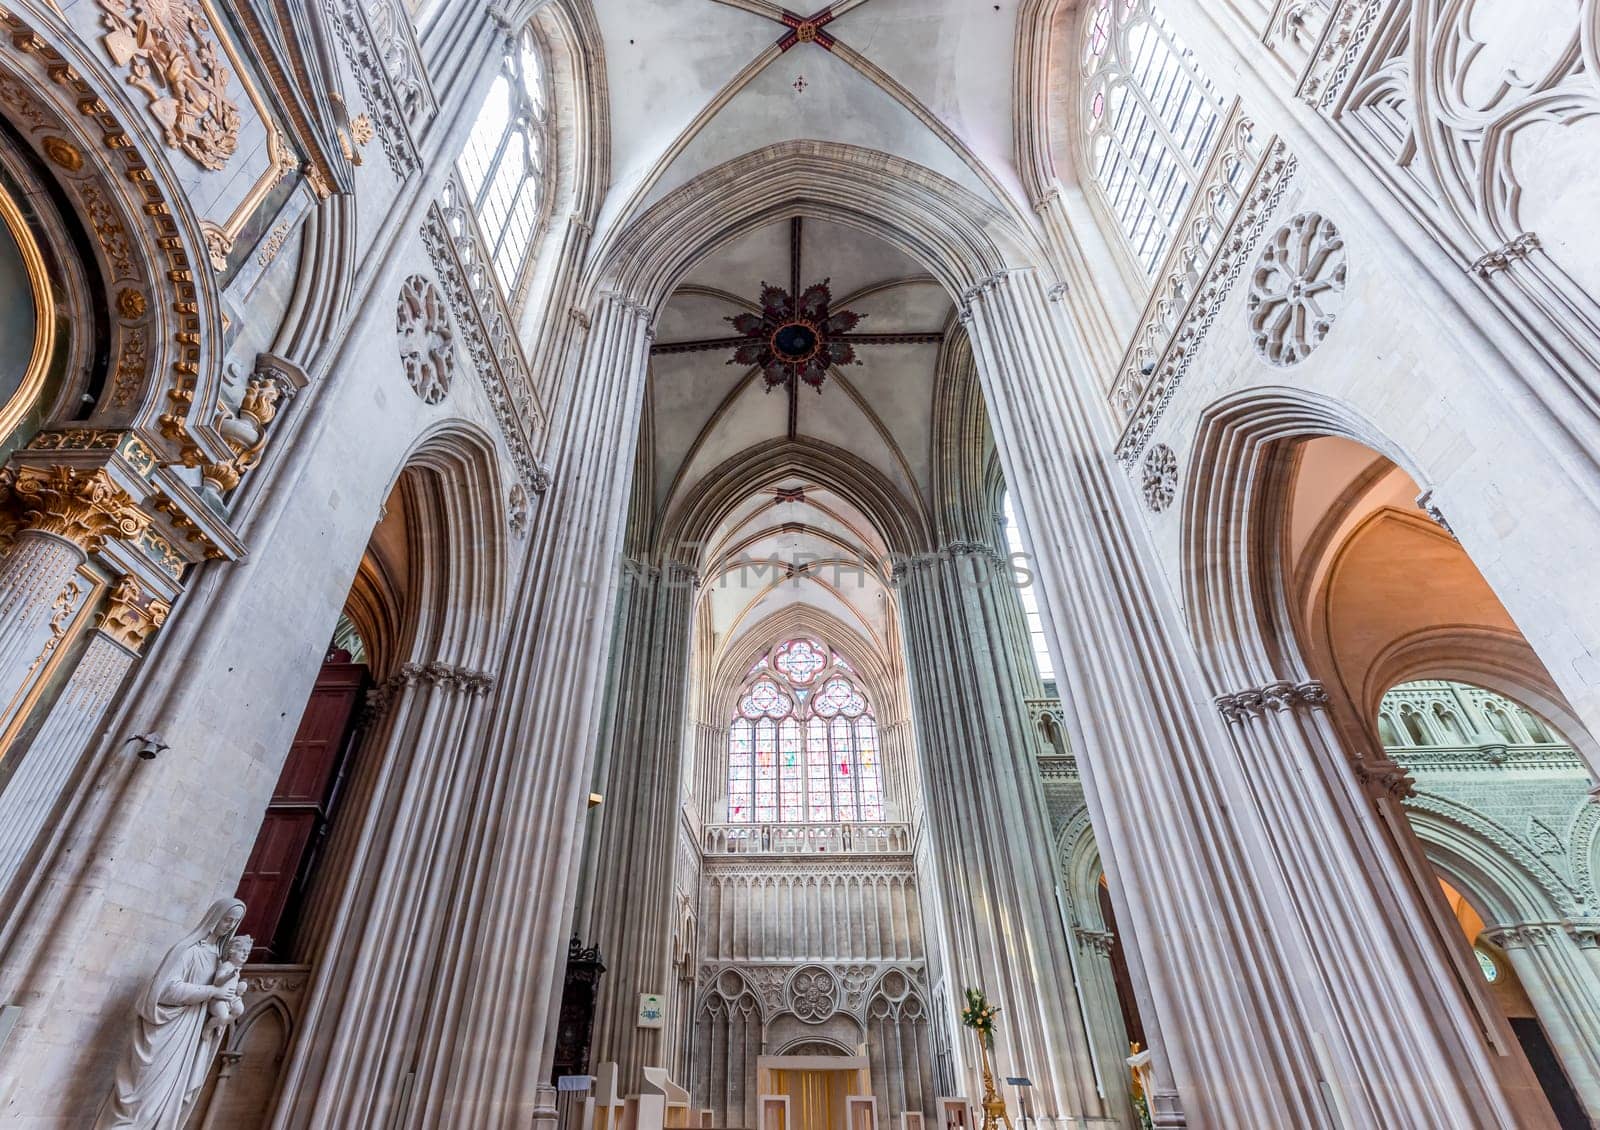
[1584, 931]
[1521, 935]
[129, 618]
[1278, 696]
[1100, 941]
[1385, 778]
[81, 506]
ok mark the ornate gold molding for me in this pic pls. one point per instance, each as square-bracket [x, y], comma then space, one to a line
[20, 403]
[83, 507]
[128, 618]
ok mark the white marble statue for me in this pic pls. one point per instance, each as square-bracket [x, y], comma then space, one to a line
[181, 1016]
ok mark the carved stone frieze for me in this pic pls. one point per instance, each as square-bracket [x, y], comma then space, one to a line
[1278, 696]
[1096, 941]
[446, 677]
[1385, 778]
[427, 339]
[172, 58]
[392, 101]
[1521, 935]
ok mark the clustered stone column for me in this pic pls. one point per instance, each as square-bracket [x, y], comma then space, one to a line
[1315, 1012]
[41, 780]
[628, 893]
[1556, 964]
[378, 937]
[986, 819]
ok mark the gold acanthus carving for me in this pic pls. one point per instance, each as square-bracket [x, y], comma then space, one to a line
[171, 58]
[130, 619]
[82, 506]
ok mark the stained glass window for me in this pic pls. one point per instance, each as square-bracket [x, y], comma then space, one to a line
[803, 754]
[1153, 118]
[503, 166]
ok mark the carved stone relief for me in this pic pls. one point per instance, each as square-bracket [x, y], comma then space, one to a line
[427, 340]
[173, 60]
[1297, 289]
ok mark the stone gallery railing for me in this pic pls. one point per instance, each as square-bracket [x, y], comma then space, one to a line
[874, 838]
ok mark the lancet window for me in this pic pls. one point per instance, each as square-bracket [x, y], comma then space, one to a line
[504, 166]
[1152, 119]
[803, 743]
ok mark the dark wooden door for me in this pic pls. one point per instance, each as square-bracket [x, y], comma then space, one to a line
[301, 806]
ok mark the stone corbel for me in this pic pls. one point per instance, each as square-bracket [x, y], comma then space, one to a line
[1385, 778]
[246, 431]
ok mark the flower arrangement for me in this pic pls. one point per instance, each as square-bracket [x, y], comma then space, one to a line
[979, 1015]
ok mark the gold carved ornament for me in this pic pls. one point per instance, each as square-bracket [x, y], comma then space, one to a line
[83, 507]
[128, 618]
[167, 47]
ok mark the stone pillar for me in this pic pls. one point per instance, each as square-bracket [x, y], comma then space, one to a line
[41, 780]
[490, 1044]
[628, 893]
[986, 819]
[1562, 984]
[1097, 983]
[63, 514]
[398, 857]
[1321, 1010]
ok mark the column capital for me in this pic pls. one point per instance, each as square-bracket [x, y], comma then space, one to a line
[130, 619]
[1584, 931]
[1279, 696]
[1521, 935]
[81, 505]
[1100, 941]
[1384, 777]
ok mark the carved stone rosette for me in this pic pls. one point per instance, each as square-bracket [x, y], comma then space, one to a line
[427, 339]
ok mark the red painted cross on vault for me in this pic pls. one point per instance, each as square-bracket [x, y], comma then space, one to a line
[807, 29]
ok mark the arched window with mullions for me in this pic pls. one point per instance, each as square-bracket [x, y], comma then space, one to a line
[505, 165]
[1152, 119]
[803, 744]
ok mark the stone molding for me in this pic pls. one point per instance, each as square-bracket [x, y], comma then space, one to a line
[815, 991]
[1279, 696]
[1342, 38]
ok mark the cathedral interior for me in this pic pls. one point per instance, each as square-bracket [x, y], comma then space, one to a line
[927, 565]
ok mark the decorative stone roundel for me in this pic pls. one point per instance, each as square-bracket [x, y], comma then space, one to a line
[427, 340]
[1297, 289]
[813, 994]
[1160, 477]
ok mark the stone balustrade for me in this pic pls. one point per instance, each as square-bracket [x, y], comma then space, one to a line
[858, 838]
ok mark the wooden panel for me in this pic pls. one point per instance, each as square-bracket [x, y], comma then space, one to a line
[299, 807]
[269, 877]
